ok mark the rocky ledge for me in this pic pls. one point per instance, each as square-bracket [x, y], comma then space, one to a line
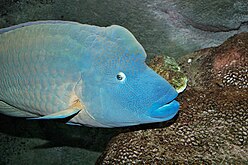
[212, 124]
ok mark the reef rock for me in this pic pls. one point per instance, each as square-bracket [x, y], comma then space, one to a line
[212, 125]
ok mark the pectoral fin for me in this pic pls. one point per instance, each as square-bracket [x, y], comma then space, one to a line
[60, 115]
[73, 124]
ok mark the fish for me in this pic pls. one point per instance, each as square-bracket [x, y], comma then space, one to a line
[93, 76]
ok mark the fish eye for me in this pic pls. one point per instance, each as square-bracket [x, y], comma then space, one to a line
[121, 76]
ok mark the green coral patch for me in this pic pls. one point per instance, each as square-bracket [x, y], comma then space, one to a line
[168, 68]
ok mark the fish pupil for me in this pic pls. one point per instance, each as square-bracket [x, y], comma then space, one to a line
[119, 77]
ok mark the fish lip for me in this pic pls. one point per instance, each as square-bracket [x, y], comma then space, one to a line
[164, 100]
[166, 107]
[166, 111]
[158, 105]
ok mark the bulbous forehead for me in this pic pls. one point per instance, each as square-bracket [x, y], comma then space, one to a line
[124, 39]
[114, 45]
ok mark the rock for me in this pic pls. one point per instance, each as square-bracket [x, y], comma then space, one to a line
[212, 124]
[225, 65]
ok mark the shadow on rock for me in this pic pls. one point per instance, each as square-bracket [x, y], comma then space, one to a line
[57, 133]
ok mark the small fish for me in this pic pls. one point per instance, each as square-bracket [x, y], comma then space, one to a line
[95, 76]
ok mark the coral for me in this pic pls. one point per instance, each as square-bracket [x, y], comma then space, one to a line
[168, 68]
[212, 125]
[225, 65]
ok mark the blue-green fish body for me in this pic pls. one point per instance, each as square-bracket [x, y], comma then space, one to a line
[95, 75]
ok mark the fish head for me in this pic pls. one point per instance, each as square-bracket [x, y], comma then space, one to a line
[120, 89]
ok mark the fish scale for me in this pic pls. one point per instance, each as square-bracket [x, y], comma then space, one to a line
[30, 82]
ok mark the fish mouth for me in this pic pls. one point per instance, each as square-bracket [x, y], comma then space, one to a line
[165, 112]
[164, 108]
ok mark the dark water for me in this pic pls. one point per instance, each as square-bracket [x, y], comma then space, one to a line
[172, 28]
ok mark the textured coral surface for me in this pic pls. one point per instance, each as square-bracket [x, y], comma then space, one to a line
[212, 124]
[168, 68]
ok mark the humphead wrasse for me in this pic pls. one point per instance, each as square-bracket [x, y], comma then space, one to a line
[95, 76]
